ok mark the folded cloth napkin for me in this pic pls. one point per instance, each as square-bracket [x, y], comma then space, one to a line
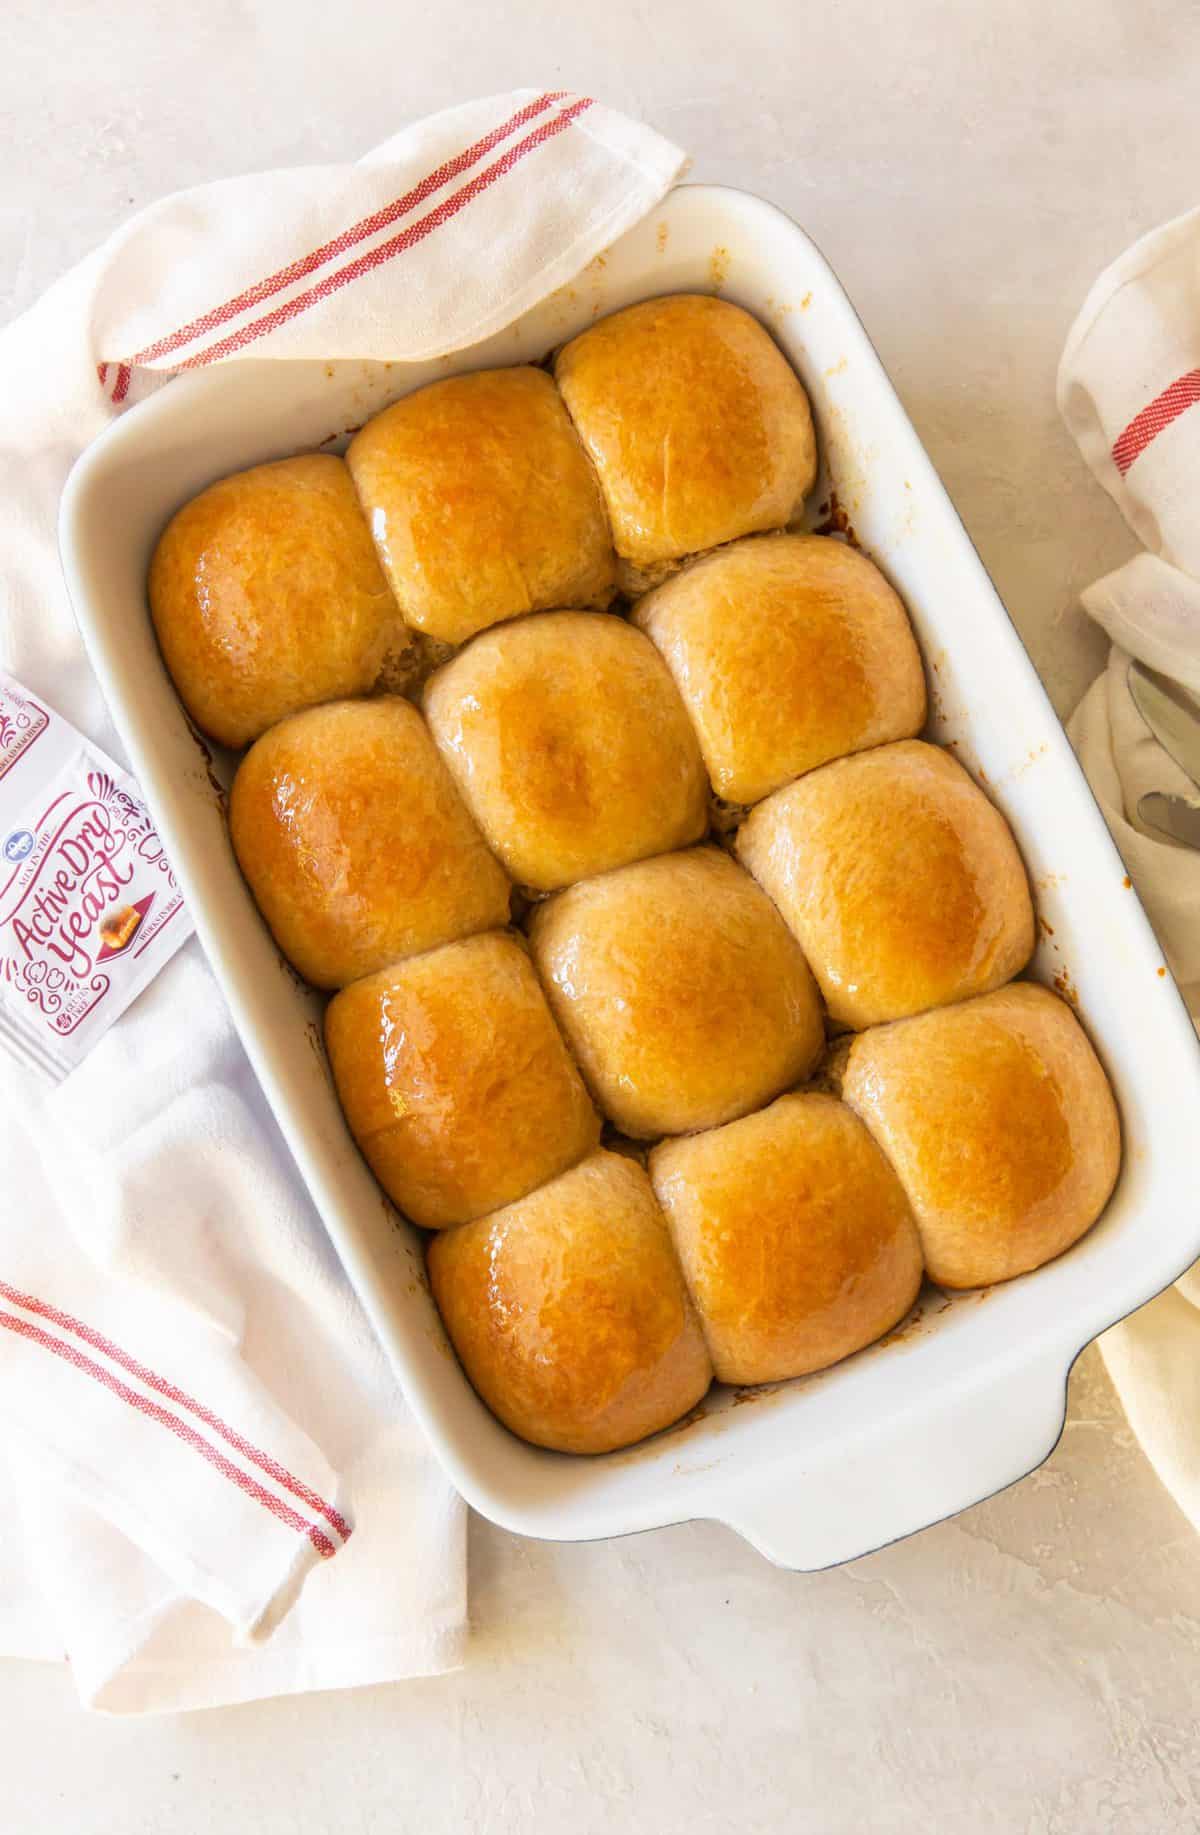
[1129, 390]
[215, 1490]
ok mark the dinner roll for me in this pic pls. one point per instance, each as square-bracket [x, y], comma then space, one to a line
[797, 1242]
[355, 842]
[570, 744]
[1002, 1126]
[482, 503]
[267, 597]
[455, 1081]
[788, 650]
[569, 1313]
[900, 879]
[698, 427]
[680, 990]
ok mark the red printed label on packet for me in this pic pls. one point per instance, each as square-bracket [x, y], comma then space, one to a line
[89, 907]
[20, 724]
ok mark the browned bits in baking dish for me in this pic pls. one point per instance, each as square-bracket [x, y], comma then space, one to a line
[565, 766]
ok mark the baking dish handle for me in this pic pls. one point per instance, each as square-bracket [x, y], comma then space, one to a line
[817, 1513]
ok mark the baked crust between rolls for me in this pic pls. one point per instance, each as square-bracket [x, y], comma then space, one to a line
[698, 427]
[1001, 1124]
[900, 879]
[455, 1080]
[680, 990]
[789, 651]
[569, 1313]
[356, 844]
[568, 739]
[267, 597]
[482, 503]
[795, 1236]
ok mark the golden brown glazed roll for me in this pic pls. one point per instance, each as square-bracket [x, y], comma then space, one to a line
[696, 423]
[482, 503]
[267, 597]
[788, 650]
[455, 1081]
[900, 879]
[355, 842]
[680, 991]
[571, 745]
[797, 1242]
[1000, 1121]
[569, 1313]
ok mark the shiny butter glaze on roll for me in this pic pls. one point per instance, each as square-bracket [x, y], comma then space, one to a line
[697, 425]
[571, 745]
[482, 503]
[267, 597]
[789, 651]
[356, 844]
[1001, 1123]
[900, 879]
[796, 1238]
[455, 1080]
[569, 1313]
[681, 992]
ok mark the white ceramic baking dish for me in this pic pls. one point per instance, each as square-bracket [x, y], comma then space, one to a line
[970, 1394]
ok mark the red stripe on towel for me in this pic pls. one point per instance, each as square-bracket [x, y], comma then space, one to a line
[1146, 426]
[265, 1463]
[58, 1348]
[386, 251]
[348, 238]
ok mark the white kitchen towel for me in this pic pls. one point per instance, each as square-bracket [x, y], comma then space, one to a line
[1129, 390]
[219, 1490]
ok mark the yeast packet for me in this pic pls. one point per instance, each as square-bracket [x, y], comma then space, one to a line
[89, 906]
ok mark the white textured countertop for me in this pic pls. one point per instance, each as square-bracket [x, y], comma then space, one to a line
[1033, 1666]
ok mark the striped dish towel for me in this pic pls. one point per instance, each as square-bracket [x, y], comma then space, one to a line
[1129, 390]
[216, 1490]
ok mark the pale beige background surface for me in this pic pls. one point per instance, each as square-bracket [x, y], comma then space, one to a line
[1034, 1667]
